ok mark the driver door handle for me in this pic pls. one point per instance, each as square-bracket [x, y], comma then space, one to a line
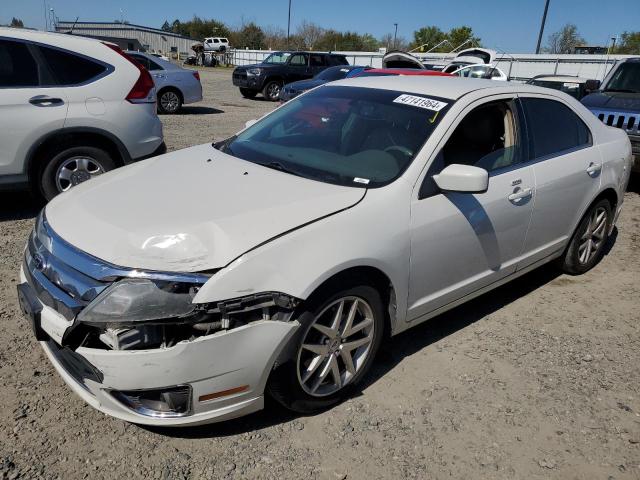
[45, 101]
[520, 194]
[594, 169]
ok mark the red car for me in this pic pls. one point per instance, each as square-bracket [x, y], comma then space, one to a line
[382, 72]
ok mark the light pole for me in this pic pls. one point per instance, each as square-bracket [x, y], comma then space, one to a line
[289, 24]
[395, 36]
[544, 19]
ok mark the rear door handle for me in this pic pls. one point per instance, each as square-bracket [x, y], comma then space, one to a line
[594, 169]
[520, 194]
[45, 101]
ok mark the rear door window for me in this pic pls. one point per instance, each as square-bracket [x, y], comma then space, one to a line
[317, 61]
[18, 68]
[298, 60]
[553, 128]
[71, 69]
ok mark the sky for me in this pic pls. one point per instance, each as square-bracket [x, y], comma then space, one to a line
[509, 25]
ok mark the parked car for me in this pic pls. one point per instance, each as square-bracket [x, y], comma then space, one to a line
[617, 102]
[575, 86]
[361, 209]
[71, 108]
[281, 68]
[330, 74]
[161, 56]
[216, 44]
[394, 72]
[175, 86]
[470, 56]
[489, 72]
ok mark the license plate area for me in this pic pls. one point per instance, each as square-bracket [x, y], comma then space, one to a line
[31, 308]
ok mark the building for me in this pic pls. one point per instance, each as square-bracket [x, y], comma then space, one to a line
[132, 37]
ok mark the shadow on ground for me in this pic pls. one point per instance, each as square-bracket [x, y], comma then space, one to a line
[18, 205]
[198, 110]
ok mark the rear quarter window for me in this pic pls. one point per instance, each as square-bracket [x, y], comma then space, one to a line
[17, 67]
[70, 69]
[553, 128]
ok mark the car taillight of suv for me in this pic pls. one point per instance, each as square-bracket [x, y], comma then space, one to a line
[142, 90]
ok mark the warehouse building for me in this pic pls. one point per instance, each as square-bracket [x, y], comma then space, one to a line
[132, 37]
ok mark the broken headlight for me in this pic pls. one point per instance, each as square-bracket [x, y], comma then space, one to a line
[131, 301]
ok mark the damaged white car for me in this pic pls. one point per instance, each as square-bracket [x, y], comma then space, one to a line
[181, 289]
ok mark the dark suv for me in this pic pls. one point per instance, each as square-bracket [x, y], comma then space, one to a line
[281, 68]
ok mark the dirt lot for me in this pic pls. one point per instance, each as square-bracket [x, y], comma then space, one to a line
[539, 379]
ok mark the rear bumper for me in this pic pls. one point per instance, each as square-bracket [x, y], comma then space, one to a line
[162, 148]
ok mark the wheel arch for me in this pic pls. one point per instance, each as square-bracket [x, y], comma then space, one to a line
[69, 137]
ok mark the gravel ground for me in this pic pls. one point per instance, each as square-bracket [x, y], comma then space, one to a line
[538, 379]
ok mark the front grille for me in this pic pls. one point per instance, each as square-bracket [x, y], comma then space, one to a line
[629, 122]
[240, 75]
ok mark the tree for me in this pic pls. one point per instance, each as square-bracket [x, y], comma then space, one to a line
[249, 35]
[199, 28]
[16, 23]
[310, 33]
[428, 37]
[564, 40]
[459, 35]
[275, 38]
[166, 27]
[629, 44]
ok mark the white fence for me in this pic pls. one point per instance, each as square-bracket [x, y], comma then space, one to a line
[516, 66]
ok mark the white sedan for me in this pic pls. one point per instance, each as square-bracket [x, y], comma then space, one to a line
[180, 290]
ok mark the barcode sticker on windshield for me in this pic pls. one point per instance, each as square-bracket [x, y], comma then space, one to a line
[421, 102]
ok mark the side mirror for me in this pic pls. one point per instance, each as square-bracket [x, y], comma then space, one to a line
[592, 85]
[249, 123]
[462, 178]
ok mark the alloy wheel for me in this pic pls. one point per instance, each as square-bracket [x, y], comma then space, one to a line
[273, 91]
[594, 236]
[76, 170]
[169, 101]
[336, 346]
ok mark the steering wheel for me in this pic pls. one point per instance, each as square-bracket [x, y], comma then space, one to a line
[399, 148]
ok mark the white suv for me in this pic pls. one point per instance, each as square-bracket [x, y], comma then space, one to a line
[70, 108]
[216, 44]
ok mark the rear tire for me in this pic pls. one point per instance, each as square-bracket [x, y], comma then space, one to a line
[247, 93]
[271, 90]
[71, 167]
[306, 381]
[169, 101]
[587, 244]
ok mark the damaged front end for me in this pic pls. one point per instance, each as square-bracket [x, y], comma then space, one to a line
[134, 345]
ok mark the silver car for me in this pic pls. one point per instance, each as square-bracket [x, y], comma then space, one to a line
[175, 85]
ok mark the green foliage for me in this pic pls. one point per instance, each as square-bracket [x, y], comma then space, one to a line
[249, 36]
[564, 40]
[426, 38]
[629, 44]
[16, 23]
[199, 28]
[166, 27]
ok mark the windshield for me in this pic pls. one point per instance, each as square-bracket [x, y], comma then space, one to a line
[278, 57]
[625, 79]
[352, 136]
[333, 73]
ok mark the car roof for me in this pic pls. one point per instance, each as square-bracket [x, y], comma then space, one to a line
[161, 61]
[445, 87]
[560, 78]
[409, 71]
[44, 37]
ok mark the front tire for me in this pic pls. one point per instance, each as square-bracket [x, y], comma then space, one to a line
[271, 91]
[587, 244]
[340, 334]
[169, 101]
[71, 167]
[247, 93]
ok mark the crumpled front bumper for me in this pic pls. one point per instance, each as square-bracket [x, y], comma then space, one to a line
[237, 360]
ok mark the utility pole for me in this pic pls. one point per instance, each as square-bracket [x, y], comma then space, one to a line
[544, 19]
[395, 35]
[289, 24]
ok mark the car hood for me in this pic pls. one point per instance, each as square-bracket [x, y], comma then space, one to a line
[191, 210]
[613, 101]
[304, 85]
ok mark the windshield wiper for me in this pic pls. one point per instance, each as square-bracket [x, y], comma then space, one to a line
[621, 90]
[280, 167]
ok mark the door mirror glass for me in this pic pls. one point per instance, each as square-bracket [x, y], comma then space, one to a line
[462, 178]
[592, 85]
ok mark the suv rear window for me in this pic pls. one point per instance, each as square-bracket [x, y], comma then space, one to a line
[337, 60]
[70, 69]
[17, 67]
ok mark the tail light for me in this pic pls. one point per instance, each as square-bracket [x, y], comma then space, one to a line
[197, 75]
[142, 90]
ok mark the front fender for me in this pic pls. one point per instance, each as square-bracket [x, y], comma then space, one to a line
[367, 235]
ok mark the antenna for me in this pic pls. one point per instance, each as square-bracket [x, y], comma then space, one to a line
[73, 26]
